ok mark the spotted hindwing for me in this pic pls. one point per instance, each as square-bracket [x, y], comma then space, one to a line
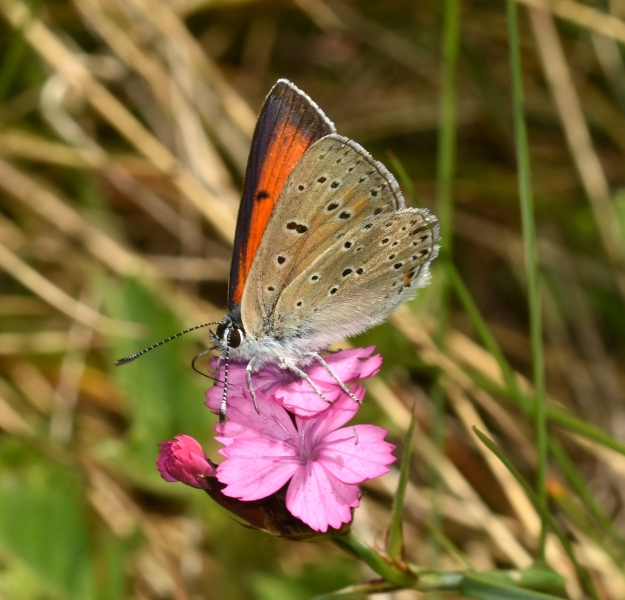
[357, 280]
[334, 187]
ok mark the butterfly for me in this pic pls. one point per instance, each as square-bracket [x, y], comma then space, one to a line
[324, 249]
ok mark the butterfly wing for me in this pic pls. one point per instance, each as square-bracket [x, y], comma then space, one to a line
[335, 186]
[347, 290]
[288, 124]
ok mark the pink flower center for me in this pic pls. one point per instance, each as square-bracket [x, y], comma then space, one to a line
[306, 444]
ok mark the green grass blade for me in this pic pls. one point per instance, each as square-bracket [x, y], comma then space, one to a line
[395, 542]
[568, 468]
[485, 335]
[582, 573]
[585, 496]
[531, 258]
[446, 162]
[404, 179]
[481, 588]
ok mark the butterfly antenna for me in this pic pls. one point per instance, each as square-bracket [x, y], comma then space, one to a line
[123, 361]
[224, 397]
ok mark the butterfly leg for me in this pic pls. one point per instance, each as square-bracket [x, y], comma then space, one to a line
[195, 358]
[329, 369]
[291, 367]
[248, 375]
[217, 369]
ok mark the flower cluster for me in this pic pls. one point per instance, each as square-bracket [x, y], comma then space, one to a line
[296, 450]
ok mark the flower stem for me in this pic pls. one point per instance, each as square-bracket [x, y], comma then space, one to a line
[508, 583]
[392, 572]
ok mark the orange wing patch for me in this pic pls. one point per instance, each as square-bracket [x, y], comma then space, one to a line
[274, 174]
[288, 124]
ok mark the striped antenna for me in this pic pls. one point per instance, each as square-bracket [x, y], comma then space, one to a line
[123, 361]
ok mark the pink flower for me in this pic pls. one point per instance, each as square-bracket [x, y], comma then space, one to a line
[295, 394]
[294, 469]
[184, 460]
[321, 461]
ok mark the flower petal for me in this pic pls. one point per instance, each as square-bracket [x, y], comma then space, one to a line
[335, 417]
[242, 420]
[299, 398]
[355, 454]
[319, 499]
[236, 381]
[362, 362]
[256, 468]
[265, 381]
[348, 365]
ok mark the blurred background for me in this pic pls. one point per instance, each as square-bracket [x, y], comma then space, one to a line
[124, 133]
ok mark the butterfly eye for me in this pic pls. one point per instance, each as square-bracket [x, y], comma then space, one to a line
[236, 337]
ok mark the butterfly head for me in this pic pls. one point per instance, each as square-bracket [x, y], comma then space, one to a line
[230, 333]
